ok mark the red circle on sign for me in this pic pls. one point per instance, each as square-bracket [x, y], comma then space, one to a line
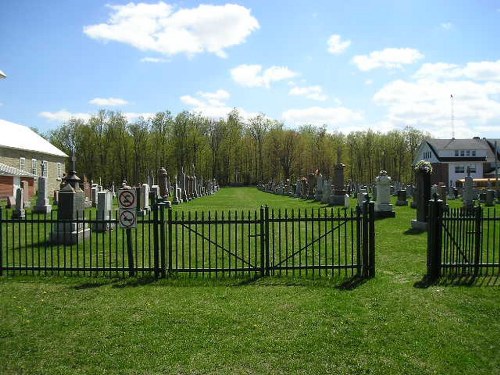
[127, 199]
[127, 219]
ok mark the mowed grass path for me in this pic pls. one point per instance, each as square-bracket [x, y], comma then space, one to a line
[387, 325]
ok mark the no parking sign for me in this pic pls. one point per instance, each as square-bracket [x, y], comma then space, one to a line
[127, 201]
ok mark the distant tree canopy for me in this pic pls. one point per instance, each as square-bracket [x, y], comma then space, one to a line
[232, 150]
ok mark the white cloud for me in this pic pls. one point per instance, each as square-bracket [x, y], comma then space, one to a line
[447, 25]
[254, 76]
[425, 101]
[336, 45]
[155, 60]
[480, 70]
[335, 118]
[108, 102]
[310, 92]
[64, 115]
[389, 58]
[162, 28]
[212, 104]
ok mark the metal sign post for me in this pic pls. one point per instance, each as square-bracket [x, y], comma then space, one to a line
[127, 201]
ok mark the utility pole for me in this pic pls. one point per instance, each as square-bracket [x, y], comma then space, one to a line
[452, 118]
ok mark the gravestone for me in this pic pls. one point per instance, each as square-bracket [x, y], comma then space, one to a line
[319, 187]
[163, 184]
[383, 206]
[11, 202]
[468, 193]
[56, 197]
[71, 208]
[402, 200]
[178, 193]
[423, 195]
[26, 194]
[19, 212]
[42, 202]
[103, 216]
[337, 197]
[93, 194]
[490, 198]
[327, 189]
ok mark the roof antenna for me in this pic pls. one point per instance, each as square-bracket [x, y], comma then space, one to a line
[452, 118]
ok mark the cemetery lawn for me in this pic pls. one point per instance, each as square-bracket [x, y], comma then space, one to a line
[392, 324]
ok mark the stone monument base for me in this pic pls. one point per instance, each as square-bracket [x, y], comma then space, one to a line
[47, 209]
[384, 210]
[69, 233]
[337, 200]
[419, 225]
[401, 203]
[18, 214]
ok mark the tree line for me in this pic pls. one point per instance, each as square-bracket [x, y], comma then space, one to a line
[109, 148]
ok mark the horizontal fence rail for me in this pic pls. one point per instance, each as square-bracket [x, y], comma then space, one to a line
[463, 242]
[322, 242]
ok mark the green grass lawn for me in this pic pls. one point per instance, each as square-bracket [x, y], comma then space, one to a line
[386, 325]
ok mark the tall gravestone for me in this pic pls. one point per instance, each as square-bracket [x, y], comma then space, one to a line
[42, 202]
[19, 212]
[104, 206]
[383, 206]
[69, 230]
[423, 172]
[163, 184]
[468, 194]
[26, 193]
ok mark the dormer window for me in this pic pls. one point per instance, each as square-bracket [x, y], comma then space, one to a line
[456, 152]
[473, 152]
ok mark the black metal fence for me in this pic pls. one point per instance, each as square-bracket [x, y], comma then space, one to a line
[324, 242]
[463, 242]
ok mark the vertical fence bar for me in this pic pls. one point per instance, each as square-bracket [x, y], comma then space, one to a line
[365, 238]
[262, 229]
[477, 239]
[156, 244]
[371, 225]
[163, 242]
[1, 241]
[434, 247]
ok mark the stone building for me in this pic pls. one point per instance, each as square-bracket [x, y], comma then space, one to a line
[25, 155]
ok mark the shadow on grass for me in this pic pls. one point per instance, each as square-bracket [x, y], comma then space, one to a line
[459, 280]
[413, 231]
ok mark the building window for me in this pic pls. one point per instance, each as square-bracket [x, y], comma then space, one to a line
[45, 168]
[473, 152]
[22, 164]
[462, 152]
[459, 169]
[34, 167]
[456, 152]
[467, 153]
[472, 168]
[59, 170]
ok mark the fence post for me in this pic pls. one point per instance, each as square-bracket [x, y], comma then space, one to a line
[266, 239]
[365, 261]
[477, 239]
[170, 238]
[1, 242]
[161, 209]
[434, 238]
[262, 230]
[156, 243]
[371, 239]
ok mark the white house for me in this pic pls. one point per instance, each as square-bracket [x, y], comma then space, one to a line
[450, 158]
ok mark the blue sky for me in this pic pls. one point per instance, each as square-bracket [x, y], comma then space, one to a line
[349, 65]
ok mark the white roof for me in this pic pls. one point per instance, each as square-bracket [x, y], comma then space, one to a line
[23, 138]
[6, 170]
